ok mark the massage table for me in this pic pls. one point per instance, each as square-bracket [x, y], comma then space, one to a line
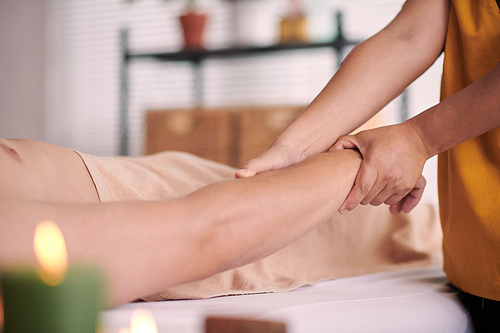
[409, 300]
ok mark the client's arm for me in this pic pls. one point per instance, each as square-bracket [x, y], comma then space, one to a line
[144, 247]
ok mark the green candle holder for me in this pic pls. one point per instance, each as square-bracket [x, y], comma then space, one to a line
[73, 306]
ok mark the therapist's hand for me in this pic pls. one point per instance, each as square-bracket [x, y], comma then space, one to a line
[393, 160]
[276, 157]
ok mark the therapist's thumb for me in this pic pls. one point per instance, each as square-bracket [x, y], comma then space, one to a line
[345, 142]
[250, 168]
[276, 157]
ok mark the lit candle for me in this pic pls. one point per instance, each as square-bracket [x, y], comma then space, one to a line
[53, 297]
[141, 321]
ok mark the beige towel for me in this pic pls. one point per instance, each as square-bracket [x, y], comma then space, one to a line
[367, 240]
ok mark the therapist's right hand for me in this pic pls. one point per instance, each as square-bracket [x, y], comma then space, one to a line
[276, 157]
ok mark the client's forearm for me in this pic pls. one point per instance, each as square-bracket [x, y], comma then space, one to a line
[147, 246]
[253, 217]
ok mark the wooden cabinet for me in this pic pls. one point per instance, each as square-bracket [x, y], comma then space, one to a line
[227, 135]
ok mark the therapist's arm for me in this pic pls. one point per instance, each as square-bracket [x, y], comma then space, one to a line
[144, 247]
[394, 156]
[467, 114]
[375, 72]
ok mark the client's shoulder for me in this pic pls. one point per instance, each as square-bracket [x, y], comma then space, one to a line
[43, 171]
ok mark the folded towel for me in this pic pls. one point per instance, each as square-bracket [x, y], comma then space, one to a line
[161, 176]
[367, 240]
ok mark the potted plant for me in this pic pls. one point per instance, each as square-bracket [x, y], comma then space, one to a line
[193, 26]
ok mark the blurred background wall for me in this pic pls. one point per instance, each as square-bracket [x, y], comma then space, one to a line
[60, 64]
[22, 69]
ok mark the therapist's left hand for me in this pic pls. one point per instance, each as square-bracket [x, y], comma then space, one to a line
[393, 160]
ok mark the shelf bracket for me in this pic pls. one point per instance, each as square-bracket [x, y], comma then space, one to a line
[124, 110]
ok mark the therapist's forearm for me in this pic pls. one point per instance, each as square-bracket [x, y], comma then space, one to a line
[467, 114]
[374, 73]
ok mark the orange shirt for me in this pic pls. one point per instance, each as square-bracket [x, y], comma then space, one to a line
[469, 174]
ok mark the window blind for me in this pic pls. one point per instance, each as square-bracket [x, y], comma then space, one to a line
[83, 64]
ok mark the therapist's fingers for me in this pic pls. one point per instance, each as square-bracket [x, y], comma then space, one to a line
[276, 157]
[389, 195]
[410, 200]
[396, 208]
[377, 195]
[365, 179]
[413, 198]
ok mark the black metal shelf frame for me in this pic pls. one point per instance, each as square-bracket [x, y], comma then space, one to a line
[197, 57]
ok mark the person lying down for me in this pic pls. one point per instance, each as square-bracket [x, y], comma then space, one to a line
[175, 226]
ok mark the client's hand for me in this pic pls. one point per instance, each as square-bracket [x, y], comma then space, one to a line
[393, 160]
[276, 157]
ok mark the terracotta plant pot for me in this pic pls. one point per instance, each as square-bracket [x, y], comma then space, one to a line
[193, 26]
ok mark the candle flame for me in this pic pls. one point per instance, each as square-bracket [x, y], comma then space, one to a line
[50, 251]
[142, 321]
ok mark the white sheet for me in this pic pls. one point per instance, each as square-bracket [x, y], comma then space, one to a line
[415, 300]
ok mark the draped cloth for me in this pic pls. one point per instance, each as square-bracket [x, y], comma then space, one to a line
[367, 240]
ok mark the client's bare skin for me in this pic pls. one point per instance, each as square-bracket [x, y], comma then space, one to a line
[144, 246]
